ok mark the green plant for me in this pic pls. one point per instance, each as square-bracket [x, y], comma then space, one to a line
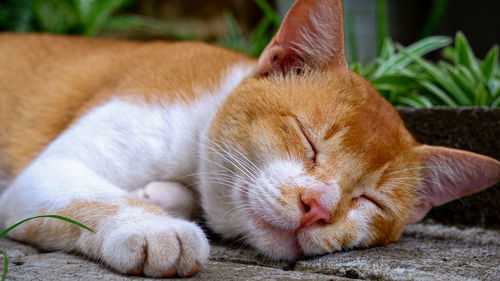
[405, 78]
[395, 74]
[258, 38]
[6, 260]
[86, 17]
[466, 79]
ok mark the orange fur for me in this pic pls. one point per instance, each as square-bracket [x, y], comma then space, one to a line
[343, 159]
[63, 77]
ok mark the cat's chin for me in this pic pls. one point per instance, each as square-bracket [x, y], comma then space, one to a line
[275, 242]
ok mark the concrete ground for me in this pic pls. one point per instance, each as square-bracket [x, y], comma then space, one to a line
[425, 252]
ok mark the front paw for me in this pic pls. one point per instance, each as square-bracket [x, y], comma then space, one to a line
[160, 247]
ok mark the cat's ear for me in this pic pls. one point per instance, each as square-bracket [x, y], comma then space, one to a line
[448, 174]
[311, 35]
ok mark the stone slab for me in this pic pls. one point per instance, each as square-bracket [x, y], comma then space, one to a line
[425, 252]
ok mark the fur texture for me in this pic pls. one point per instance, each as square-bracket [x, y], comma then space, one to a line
[293, 152]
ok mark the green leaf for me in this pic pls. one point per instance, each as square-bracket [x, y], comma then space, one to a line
[489, 65]
[128, 21]
[17, 15]
[394, 80]
[464, 54]
[382, 22]
[387, 50]
[268, 12]
[417, 49]
[435, 17]
[496, 102]
[55, 16]
[440, 94]
[234, 39]
[350, 27]
[463, 79]
[415, 101]
[100, 13]
[442, 78]
[260, 37]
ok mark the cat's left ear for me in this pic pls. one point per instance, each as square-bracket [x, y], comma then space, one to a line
[448, 174]
[311, 35]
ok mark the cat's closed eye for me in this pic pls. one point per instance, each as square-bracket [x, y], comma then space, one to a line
[367, 201]
[311, 149]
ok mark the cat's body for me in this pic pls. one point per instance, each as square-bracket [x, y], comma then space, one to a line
[292, 152]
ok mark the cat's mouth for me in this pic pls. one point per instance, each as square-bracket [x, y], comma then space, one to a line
[280, 239]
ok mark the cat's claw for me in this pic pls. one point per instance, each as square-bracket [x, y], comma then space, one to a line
[161, 247]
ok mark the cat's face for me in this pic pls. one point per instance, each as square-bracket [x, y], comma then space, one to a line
[318, 161]
[305, 165]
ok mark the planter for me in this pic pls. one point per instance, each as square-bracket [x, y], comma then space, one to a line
[476, 129]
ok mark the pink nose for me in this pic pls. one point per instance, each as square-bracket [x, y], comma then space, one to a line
[313, 212]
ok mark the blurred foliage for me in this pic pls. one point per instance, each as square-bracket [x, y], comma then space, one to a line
[434, 18]
[83, 17]
[401, 74]
[86, 17]
[405, 78]
[254, 43]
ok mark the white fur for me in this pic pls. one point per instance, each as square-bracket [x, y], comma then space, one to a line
[173, 197]
[118, 147]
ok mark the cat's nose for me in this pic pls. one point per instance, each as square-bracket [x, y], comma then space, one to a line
[313, 211]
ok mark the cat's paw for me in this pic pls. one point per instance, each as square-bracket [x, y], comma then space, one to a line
[161, 247]
[173, 197]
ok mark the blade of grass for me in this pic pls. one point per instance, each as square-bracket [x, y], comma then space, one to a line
[260, 37]
[99, 14]
[440, 77]
[417, 49]
[393, 80]
[435, 17]
[351, 36]
[45, 216]
[440, 94]
[496, 102]
[465, 55]
[269, 12]
[18, 16]
[489, 65]
[463, 79]
[5, 265]
[415, 101]
[387, 50]
[382, 23]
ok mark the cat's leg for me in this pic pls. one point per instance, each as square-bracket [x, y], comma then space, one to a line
[172, 197]
[131, 236]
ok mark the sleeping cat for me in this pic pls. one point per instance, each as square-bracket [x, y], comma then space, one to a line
[294, 153]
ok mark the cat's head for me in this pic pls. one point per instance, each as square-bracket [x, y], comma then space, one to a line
[305, 157]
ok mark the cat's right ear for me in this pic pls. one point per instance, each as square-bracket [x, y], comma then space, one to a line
[311, 35]
[449, 174]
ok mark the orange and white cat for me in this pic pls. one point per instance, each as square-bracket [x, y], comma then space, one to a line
[293, 152]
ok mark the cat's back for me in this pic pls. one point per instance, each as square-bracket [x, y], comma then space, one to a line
[47, 82]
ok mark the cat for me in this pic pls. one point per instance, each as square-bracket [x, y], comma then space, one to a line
[293, 152]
